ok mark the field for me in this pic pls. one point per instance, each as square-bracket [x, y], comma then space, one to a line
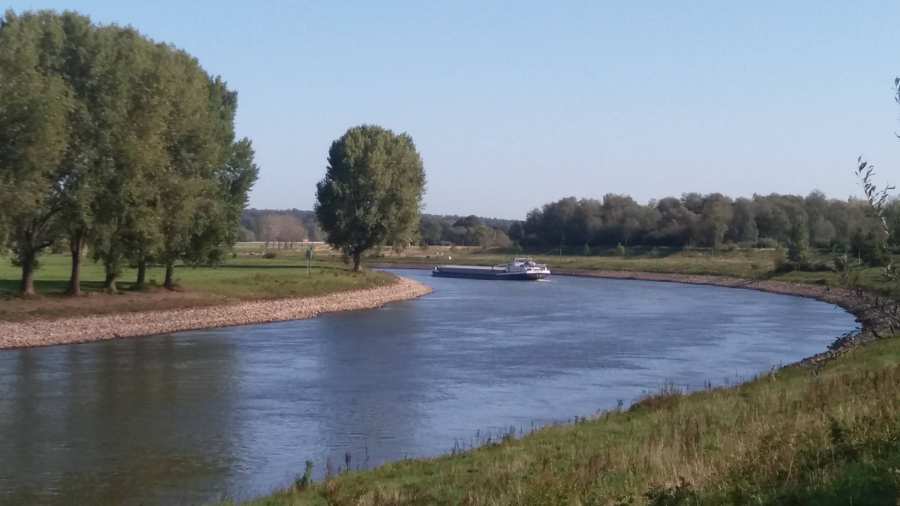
[246, 277]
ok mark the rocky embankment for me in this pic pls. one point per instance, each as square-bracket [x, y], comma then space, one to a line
[144, 323]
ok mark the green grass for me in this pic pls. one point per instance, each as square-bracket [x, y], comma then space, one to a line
[242, 278]
[828, 436]
[742, 263]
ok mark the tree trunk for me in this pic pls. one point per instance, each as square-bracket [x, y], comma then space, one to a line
[27, 287]
[357, 260]
[111, 279]
[141, 274]
[76, 246]
[170, 272]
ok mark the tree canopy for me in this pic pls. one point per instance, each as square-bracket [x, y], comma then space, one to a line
[113, 141]
[372, 191]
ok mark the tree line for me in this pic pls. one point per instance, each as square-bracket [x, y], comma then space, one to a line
[464, 231]
[711, 220]
[279, 227]
[116, 145]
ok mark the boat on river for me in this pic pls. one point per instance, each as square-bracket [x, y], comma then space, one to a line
[520, 269]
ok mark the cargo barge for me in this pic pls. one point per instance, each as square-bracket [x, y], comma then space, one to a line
[520, 269]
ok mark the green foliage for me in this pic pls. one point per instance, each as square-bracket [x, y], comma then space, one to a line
[710, 220]
[372, 191]
[113, 140]
[869, 249]
[35, 127]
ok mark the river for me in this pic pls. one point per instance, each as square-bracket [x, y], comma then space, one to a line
[232, 413]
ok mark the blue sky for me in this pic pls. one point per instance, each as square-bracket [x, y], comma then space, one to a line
[518, 103]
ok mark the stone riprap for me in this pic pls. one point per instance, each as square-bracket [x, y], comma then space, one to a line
[144, 323]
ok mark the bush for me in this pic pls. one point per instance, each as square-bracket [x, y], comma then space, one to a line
[620, 250]
[270, 254]
[798, 252]
[780, 261]
[767, 243]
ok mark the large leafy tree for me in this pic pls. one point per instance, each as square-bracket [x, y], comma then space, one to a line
[199, 138]
[372, 191]
[217, 222]
[131, 117]
[34, 136]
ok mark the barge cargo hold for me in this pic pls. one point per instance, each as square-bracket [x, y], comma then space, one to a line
[520, 269]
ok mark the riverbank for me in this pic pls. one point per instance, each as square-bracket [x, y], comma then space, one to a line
[240, 279]
[799, 435]
[45, 332]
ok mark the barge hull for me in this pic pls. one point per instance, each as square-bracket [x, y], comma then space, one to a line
[486, 273]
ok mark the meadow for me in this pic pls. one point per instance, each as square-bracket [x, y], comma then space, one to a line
[245, 277]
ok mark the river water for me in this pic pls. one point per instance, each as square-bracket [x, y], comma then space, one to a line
[231, 413]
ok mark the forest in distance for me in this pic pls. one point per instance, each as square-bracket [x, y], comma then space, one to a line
[578, 225]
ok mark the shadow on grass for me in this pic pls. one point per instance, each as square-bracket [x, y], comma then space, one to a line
[10, 287]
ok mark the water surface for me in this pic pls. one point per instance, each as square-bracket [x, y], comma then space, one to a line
[198, 416]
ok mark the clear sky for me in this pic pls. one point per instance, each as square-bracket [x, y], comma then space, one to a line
[514, 104]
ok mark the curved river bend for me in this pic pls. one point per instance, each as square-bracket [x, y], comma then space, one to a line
[235, 412]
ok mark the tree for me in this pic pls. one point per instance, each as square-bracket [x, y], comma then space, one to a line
[371, 194]
[743, 223]
[199, 137]
[34, 132]
[131, 115]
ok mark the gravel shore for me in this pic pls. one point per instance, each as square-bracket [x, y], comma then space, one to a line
[145, 323]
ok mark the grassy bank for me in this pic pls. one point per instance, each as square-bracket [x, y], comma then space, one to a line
[828, 436]
[741, 263]
[243, 278]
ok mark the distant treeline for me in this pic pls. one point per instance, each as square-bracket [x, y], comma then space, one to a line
[465, 231]
[582, 225]
[279, 227]
[282, 228]
[711, 220]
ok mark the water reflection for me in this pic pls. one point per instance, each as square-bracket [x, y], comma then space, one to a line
[235, 412]
[112, 424]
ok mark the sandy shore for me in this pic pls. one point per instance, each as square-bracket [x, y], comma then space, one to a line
[144, 323]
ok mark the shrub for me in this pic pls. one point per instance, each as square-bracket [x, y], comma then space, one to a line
[270, 254]
[767, 243]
